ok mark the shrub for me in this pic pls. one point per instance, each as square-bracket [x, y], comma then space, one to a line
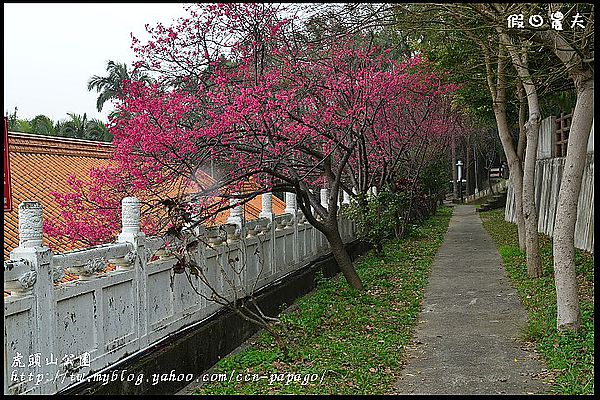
[377, 216]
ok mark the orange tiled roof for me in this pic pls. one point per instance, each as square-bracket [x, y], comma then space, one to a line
[41, 164]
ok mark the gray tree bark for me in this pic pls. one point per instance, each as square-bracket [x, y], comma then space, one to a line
[454, 172]
[467, 169]
[563, 242]
[498, 92]
[530, 213]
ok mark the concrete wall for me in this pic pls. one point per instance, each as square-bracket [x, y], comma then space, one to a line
[104, 317]
[547, 184]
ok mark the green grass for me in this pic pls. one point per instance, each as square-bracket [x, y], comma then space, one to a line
[569, 357]
[346, 341]
[477, 203]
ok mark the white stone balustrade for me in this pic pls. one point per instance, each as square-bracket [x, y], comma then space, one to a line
[110, 315]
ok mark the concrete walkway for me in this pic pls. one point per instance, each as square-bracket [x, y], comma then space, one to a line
[466, 339]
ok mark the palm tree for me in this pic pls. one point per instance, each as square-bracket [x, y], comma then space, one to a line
[80, 127]
[111, 86]
[74, 127]
[95, 129]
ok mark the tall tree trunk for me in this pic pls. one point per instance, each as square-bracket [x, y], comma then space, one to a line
[521, 145]
[514, 163]
[531, 128]
[454, 172]
[516, 171]
[469, 183]
[522, 120]
[343, 258]
[563, 243]
[329, 227]
[530, 213]
[568, 316]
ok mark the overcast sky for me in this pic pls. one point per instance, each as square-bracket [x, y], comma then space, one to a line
[51, 50]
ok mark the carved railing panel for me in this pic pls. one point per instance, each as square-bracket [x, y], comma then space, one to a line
[89, 323]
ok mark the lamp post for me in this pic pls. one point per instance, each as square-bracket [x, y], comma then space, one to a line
[459, 166]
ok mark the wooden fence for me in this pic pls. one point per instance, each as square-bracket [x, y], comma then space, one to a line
[547, 184]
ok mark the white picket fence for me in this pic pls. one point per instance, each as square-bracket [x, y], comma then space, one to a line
[56, 334]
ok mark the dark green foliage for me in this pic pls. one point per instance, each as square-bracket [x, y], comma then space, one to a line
[76, 126]
[80, 127]
[377, 216]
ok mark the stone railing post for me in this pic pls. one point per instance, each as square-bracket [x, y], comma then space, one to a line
[290, 203]
[267, 206]
[346, 199]
[325, 203]
[130, 221]
[291, 208]
[325, 198]
[30, 272]
[136, 260]
[236, 213]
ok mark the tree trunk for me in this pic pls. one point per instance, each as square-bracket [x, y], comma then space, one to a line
[469, 183]
[568, 314]
[530, 214]
[522, 120]
[498, 92]
[343, 258]
[329, 227]
[521, 145]
[531, 130]
[454, 172]
[516, 171]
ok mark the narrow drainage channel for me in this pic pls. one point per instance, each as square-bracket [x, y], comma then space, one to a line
[166, 368]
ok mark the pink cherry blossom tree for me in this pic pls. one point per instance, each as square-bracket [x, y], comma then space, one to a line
[239, 86]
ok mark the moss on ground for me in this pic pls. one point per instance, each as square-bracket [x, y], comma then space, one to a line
[344, 341]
